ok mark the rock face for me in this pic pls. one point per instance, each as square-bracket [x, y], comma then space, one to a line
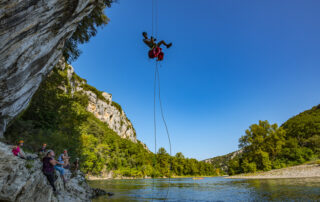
[22, 180]
[222, 161]
[100, 104]
[32, 35]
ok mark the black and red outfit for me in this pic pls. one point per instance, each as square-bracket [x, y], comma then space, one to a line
[48, 171]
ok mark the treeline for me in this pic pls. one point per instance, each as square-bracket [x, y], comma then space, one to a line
[60, 119]
[267, 146]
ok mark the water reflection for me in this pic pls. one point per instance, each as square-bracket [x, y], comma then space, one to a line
[306, 189]
[211, 189]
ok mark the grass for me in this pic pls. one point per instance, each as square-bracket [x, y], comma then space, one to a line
[29, 164]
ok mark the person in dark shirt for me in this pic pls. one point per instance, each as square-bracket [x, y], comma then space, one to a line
[48, 168]
[76, 164]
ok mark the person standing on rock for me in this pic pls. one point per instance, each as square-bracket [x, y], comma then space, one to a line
[48, 168]
[64, 159]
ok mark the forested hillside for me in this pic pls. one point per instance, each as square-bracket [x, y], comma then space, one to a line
[266, 146]
[59, 116]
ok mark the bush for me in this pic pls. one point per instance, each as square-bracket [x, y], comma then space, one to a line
[86, 29]
[117, 106]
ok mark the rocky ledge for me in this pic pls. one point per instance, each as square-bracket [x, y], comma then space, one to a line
[22, 180]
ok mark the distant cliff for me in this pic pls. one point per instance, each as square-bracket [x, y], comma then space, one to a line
[221, 162]
[100, 103]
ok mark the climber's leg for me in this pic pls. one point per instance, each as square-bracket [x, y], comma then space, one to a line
[50, 177]
[164, 43]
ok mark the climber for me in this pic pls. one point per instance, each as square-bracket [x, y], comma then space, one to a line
[75, 165]
[48, 168]
[17, 150]
[155, 49]
[64, 158]
[42, 151]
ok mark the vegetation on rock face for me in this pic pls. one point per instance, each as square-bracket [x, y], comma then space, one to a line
[221, 162]
[98, 93]
[60, 119]
[267, 147]
[116, 105]
[86, 29]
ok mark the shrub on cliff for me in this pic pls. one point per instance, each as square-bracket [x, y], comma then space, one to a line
[86, 29]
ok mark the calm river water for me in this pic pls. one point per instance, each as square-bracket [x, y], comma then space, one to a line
[210, 189]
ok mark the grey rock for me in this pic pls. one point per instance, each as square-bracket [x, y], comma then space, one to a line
[22, 180]
[32, 35]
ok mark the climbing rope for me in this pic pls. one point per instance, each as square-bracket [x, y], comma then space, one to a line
[152, 17]
[155, 127]
[166, 126]
[157, 81]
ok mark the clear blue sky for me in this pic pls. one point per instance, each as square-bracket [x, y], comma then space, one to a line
[232, 64]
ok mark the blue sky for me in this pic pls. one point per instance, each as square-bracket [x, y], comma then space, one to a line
[232, 64]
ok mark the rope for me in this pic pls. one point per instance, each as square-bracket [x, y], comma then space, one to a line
[156, 18]
[166, 126]
[154, 110]
[162, 114]
[152, 16]
[157, 77]
[155, 126]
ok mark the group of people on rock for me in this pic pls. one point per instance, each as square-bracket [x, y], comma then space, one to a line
[49, 163]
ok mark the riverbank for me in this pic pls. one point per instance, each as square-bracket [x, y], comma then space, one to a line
[109, 176]
[309, 170]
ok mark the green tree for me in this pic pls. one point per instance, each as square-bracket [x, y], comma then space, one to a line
[86, 29]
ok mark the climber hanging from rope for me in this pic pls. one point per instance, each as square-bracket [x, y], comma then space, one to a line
[155, 49]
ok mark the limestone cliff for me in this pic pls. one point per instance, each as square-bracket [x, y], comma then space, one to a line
[32, 35]
[100, 104]
[223, 161]
[22, 180]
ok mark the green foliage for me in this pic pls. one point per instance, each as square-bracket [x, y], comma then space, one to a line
[305, 128]
[234, 166]
[222, 162]
[87, 87]
[248, 167]
[116, 105]
[29, 164]
[86, 29]
[267, 147]
[60, 119]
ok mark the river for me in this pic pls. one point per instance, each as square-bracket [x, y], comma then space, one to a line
[210, 189]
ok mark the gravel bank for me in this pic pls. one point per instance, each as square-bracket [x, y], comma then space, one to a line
[300, 171]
